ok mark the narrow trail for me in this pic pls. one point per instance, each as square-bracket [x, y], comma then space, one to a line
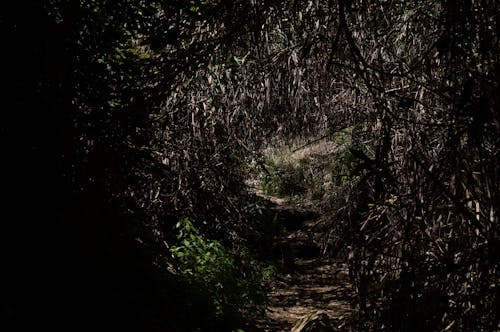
[311, 285]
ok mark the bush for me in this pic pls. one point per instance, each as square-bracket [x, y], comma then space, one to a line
[233, 283]
[284, 180]
[314, 169]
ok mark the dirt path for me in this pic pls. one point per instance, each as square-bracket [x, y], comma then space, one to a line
[312, 283]
[316, 285]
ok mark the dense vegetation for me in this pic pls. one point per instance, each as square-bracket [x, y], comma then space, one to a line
[122, 118]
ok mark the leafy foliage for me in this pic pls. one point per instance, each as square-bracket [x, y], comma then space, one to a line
[313, 170]
[232, 283]
[422, 79]
[283, 180]
[123, 116]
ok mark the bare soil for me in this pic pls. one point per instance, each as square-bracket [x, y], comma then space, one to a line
[312, 283]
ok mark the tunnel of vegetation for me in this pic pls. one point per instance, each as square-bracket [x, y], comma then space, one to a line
[129, 127]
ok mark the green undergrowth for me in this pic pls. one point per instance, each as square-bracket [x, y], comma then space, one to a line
[311, 171]
[233, 282]
[284, 179]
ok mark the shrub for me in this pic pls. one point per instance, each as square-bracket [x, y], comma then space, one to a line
[232, 282]
[284, 180]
